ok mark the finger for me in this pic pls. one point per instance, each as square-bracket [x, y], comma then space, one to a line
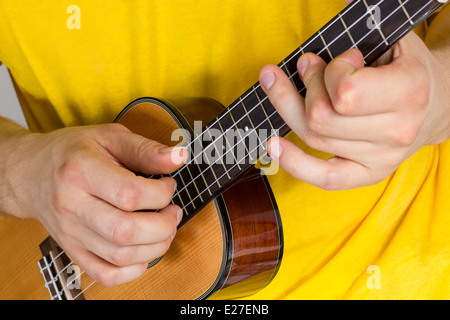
[356, 90]
[104, 272]
[332, 174]
[320, 114]
[141, 154]
[118, 186]
[284, 97]
[122, 256]
[321, 118]
[131, 228]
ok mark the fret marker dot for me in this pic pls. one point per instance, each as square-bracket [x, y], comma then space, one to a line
[246, 128]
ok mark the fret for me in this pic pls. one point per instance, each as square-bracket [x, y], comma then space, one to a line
[289, 66]
[288, 73]
[394, 21]
[260, 103]
[420, 10]
[178, 199]
[207, 172]
[326, 46]
[239, 131]
[241, 122]
[193, 182]
[370, 26]
[208, 177]
[201, 183]
[193, 170]
[365, 38]
[246, 112]
[376, 21]
[315, 45]
[239, 113]
[354, 45]
[251, 100]
[253, 112]
[399, 26]
[230, 149]
[275, 118]
[338, 37]
[183, 183]
[406, 12]
[219, 153]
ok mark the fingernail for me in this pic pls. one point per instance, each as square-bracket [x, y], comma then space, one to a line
[177, 157]
[275, 149]
[267, 79]
[179, 216]
[302, 66]
[165, 149]
[175, 186]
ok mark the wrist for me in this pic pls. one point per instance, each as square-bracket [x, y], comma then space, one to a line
[444, 65]
[12, 146]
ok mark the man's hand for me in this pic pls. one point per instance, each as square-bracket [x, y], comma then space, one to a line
[75, 181]
[370, 118]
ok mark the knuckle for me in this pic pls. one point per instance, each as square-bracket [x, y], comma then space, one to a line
[317, 116]
[280, 96]
[114, 127]
[421, 93]
[127, 197]
[166, 227]
[145, 147]
[70, 171]
[165, 245]
[312, 78]
[346, 97]
[122, 232]
[404, 136]
[61, 204]
[108, 277]
[122, 256]
[331, 181]
[165, 192]
[313, 140]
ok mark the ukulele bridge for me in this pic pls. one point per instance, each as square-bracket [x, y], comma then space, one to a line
[61, 276]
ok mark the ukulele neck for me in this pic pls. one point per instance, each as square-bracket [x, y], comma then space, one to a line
[237, 137]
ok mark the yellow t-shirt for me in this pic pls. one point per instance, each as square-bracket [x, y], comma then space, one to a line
[387, 241]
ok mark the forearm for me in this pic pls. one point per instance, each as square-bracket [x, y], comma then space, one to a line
[438, 41]
[10, 134]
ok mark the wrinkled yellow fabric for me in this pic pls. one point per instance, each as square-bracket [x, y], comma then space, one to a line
[388, 241]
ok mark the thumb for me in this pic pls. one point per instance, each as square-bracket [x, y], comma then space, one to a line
[140, 154]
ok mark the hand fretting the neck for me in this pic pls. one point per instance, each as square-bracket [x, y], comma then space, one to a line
[371, 26]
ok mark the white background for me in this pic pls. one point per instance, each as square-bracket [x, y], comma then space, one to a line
[9, 105]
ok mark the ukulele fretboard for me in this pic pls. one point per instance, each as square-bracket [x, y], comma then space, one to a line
[237, 137]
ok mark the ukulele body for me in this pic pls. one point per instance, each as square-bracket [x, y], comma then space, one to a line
[232, 247]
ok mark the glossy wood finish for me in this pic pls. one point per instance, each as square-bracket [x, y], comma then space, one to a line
[233, 220]
[251, 230]
[233, 242]
[20, 277]
[257, 237]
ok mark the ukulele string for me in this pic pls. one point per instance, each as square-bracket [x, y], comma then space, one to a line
[177, 193]
[299, 51]
[282, 65]
[388, 37]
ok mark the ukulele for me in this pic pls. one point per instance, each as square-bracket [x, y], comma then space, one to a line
[229, 243]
